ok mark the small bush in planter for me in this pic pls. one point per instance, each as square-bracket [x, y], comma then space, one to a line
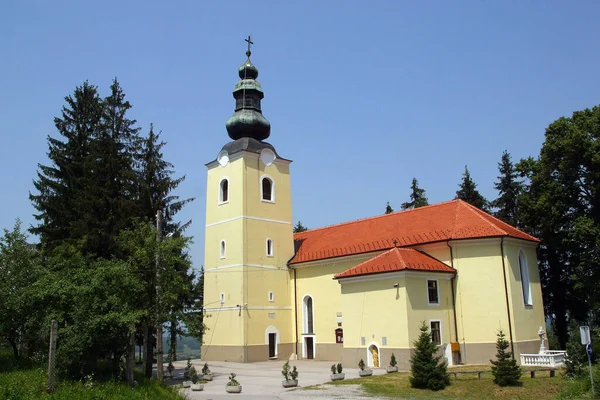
[233, 386]
[333, 369]
[291, 377]
[193, 375]
[206, 372]
[339, 368]
[393, 365]
[170, 369]
[186, 371]
[336, 372]
[363, 371]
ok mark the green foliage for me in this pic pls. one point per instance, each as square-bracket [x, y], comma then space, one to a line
[193, 374]
[505, 369]
[576, 362]
[393, 362]
[333, 369]
[20, 269]
[286, 370]
[560, 205]
[188, 367]
[232, 380]
[299, 227]
[294, 373]
[388, 208]
[417, 197]
[468, 192]
[339, 368]
[509, 187]
[427, 370]
[205, 369]
[580, 387]
[361, 364]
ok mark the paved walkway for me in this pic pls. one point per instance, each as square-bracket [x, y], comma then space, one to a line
[262, 380]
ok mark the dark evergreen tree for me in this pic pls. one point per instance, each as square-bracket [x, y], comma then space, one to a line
[505, 369]
[417, 197]
[109, 200]
[61, 185]
[468, 192]
[299, 227]
[388, 208]
[427, 370]
[508, 187]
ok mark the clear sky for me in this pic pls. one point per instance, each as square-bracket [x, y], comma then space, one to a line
[363, 96]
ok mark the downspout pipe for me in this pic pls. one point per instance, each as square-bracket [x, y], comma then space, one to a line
[453, 294]
[510, 332]
[296, 313]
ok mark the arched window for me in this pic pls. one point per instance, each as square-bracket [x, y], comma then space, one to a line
[223, 249]
[267, 189]
[269, 248]
[224, 191]
[308, 315]
[525, 282]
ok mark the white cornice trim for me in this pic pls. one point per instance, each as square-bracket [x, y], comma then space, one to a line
[276, 221]
[246, 154]
[245, 265]
[474, 242]
[396, 275]
[284, 308]
[520, 242]
[340, 259]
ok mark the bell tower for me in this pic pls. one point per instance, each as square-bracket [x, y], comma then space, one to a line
[248, 237]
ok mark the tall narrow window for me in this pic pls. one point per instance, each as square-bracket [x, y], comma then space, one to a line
[308, 315]
[436, 334]
[433, 294]
[267, 189]
[525, 283]
[269, 247]
[223, 249]
[224, 191]
[222, 298]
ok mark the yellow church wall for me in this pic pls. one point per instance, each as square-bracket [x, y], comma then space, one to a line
[526, 319]
[234, 172]
[439, 251]
[480, 296]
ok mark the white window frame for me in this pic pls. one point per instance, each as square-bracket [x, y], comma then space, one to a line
[525, 279]
[222, 298]
[305, 315]
[223, 249]
[430, 331]
[272, 329]
[271, 297]
[437, 286]
[269, 254]
[272, 189]
[220, 194]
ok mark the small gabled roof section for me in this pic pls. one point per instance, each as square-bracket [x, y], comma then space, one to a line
[452, 220]
[397, 260]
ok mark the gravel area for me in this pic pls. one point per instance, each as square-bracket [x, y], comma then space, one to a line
[339, 392]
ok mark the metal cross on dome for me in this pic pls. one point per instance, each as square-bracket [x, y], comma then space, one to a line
[250, 42]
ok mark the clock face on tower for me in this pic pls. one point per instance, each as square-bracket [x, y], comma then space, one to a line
[267, 156]
[223, 158]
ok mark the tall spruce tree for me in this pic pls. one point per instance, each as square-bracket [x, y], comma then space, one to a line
[427, 370]
[388, 208]
[468, 192]
[61, 185]
[508, 187]
[299, 227]
[417, 197]
[505, 369]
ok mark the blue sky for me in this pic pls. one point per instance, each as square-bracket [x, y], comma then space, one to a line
[363, 96]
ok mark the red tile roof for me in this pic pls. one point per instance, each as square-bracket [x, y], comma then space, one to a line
[397, 260]
[452, 220]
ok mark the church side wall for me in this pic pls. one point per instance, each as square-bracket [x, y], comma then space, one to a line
[480, 298]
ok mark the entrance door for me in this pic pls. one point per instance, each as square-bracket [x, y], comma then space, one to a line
[272, 339]
[309, 348]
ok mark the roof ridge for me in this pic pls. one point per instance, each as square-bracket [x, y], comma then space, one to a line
[478, 212]
[402, 262]
[378, 216]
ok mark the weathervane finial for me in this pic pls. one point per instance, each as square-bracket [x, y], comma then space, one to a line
[250, 42]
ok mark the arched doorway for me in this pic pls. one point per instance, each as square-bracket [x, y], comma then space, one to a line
[373, 356]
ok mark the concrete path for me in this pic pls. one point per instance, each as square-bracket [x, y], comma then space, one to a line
[262, 380]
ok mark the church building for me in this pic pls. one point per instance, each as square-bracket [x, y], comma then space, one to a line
[359, 289]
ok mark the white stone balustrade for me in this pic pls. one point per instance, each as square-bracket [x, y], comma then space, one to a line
[551, 358]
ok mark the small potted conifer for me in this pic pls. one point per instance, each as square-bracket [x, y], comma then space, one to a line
[187, 376]
[364, 371]
[233, 386]
[196, 386]
[336, 372]
[393, 367]
[206, 372]
[291, 377]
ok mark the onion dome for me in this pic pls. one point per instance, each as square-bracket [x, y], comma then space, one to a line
[247, 120]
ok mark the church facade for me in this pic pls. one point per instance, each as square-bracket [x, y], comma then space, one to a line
[358, 290]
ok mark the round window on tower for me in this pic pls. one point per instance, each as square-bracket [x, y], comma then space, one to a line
[223, 158]
[267, 156]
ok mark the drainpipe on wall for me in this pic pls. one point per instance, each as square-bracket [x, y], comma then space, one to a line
[296, 313]
[510, 334]
[453, 295]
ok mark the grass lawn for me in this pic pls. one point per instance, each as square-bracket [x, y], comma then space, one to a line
[466, 386]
